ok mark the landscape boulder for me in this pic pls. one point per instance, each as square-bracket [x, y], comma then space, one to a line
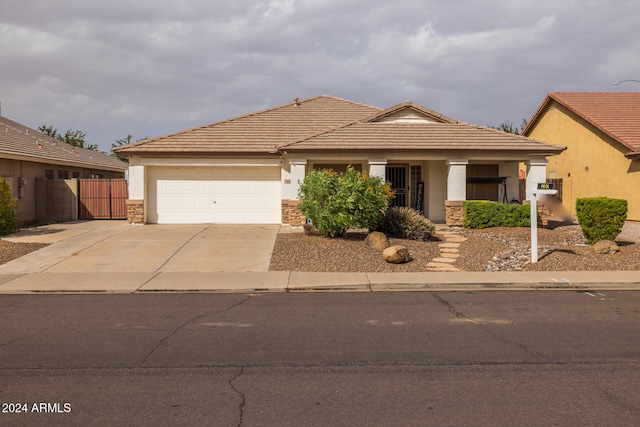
[396, 255]
[606, 247]
[377, 240]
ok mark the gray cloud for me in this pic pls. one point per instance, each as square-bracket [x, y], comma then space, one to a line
[152, 67]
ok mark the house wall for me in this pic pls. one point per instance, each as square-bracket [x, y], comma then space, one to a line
[592, 165]
[22, 176]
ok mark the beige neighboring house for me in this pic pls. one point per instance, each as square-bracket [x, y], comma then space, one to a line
[29, 157]
[247, 169]
[602, 134]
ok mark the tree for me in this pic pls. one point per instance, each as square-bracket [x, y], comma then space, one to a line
[334, 202]
[507, 126]
[124, 141]
[8, 204]
[71, 137]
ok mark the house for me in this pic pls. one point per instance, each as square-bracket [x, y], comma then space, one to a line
[602, 136]
[29, 157]
[247, 169]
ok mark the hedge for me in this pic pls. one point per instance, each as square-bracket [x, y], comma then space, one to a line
[601, 218]
[484, 214]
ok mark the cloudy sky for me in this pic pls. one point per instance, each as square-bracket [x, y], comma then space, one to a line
[150, 67]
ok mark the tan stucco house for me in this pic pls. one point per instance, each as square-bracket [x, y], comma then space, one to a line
[247, 169]
[29, 157]
[602, 134]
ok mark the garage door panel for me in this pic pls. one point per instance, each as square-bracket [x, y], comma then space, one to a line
[225, 195]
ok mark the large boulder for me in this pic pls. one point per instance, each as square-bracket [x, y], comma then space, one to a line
[377, 240]
[606, 247]
[396, 255]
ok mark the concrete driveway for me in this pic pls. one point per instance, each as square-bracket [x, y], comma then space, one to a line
[116, 246]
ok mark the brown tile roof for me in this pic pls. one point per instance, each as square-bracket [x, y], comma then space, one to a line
[616, 114]
[260, 132]
[433, 137]
[19, 141]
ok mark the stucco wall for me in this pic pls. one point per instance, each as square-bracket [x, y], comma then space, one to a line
[592, 165]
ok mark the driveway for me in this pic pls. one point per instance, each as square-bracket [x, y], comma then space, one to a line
[116, 246]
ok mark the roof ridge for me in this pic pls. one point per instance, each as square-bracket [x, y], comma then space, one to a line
[242, 116]
[410, 104]
[589, 118]
[324, 132]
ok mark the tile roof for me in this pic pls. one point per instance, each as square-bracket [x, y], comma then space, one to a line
[434, 137]
[260, 132]
[616, 114]
[329, 123]
[19, 141]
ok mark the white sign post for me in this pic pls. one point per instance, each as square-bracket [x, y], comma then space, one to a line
[541, 188]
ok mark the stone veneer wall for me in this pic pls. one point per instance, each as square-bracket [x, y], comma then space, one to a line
[454, 212]
[544, 213]
[291, 214]
[135, 211]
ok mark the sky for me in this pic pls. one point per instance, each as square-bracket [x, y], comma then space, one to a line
[152, 67]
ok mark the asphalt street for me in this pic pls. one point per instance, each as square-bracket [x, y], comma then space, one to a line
[389, 358]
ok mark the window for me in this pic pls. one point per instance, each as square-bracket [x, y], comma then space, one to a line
[48, 173]
[75, 174]
[63, 174]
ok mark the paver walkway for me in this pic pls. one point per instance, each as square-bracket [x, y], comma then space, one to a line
[449, 252]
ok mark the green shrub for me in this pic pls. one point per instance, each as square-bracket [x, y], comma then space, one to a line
[8, 205]
[334, 202]
[406, 223]
[601, 218]
[484, 214]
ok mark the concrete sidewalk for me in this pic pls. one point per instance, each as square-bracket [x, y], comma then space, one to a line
[285, 281]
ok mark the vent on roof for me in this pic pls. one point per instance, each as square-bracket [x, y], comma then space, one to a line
[295, 102]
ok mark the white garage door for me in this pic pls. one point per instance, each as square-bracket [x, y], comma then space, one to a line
[214, 195]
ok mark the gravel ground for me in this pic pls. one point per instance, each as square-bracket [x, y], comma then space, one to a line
[10, 250]
[496, 249]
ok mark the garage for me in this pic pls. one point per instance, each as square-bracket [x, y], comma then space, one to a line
[214, 195]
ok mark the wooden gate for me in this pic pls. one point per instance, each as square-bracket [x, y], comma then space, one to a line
[102, 199]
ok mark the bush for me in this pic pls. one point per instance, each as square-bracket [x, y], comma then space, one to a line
[334, 202]
[8, 204]
[601, 218]
[406, 223]
[484, 214]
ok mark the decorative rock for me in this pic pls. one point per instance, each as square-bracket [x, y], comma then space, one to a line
[606, 247]
[377, 240]
[444, 260]
[449, 255]
[396, 255]
[449, 245]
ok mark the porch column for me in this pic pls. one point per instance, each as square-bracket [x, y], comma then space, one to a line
[135, 202]
[298, 169]
[290, 212]
[378, 167]
[456, 191]
[536, 172]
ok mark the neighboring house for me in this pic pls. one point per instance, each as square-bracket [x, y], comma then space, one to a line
[247, 169]
[602, 134]
[28, 157]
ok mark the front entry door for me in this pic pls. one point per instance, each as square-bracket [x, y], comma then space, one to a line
[397, 176]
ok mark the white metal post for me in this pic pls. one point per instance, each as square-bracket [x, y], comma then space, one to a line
[535, 190]
[534, 228]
